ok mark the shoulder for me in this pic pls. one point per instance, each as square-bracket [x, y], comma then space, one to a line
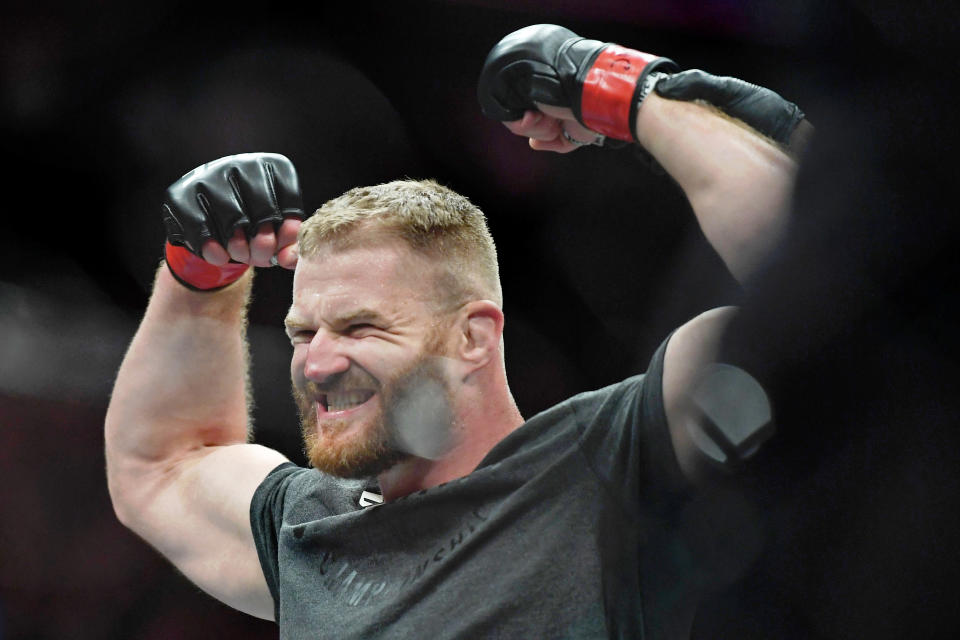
[296, 494]
[587, 406]
[571, 422]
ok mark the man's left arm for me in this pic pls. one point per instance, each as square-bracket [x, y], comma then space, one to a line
[738, 181]
[739, 185]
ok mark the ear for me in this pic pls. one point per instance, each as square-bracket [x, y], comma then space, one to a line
[481, 326]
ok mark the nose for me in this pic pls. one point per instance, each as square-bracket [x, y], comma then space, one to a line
[324, 358]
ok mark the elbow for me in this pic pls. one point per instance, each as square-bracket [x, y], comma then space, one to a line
[117, 483]
[128, 485]
[121, 495]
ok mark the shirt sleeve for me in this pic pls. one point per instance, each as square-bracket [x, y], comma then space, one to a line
[266, 518]
[660, 458]
[626, 441]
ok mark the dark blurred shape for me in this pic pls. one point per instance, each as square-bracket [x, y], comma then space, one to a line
[713, 16]
[848, 328]
[52, 347]
[927, 30]
[735, 416]
[68, 569]
[322, 113]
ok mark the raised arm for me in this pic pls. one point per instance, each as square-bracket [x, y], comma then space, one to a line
[727, 143]
[180, 472]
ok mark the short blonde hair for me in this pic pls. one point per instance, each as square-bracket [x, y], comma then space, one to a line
[430, 218]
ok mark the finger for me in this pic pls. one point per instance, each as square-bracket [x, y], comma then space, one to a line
[214, 253]
[263, 246]
[287, 233]
[535, 125]
[287, 256]
[519, 127]
[546, 129]
[579, 132]
[558, 146]
[238, 248]
[560, 113]
[570, 124]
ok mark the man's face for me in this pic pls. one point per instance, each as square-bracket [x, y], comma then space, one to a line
[367, 371]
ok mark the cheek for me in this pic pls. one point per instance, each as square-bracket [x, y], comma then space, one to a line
[376, 355]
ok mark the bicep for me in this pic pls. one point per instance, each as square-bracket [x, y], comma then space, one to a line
[691, 348]
[196, 512]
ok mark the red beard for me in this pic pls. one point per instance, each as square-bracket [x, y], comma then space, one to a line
[414, 418]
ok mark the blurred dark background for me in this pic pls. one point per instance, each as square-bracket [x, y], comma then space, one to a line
[845, 526]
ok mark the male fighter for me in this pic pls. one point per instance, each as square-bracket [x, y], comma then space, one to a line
[491, 525]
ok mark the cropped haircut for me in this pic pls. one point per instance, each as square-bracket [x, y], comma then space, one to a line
[433, 220]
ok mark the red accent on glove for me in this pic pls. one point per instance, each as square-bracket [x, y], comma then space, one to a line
[197, 273]
[608, 90]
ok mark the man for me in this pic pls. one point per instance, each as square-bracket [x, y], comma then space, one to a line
[491, 525]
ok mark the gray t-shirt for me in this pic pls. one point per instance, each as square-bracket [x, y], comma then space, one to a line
[557, 534]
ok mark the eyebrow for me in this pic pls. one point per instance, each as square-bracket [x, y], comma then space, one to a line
[360, 314]
[293, 322]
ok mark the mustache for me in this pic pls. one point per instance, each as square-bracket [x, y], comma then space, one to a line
[356, 377]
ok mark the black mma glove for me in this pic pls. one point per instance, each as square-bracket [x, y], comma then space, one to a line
[602, 83]
[214, 200]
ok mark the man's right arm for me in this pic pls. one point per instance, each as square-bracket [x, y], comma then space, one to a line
[180, 471]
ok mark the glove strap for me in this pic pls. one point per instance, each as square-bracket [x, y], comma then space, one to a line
[197, 274]
[607, 103]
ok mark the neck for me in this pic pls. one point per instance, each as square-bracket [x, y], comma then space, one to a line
[481, 427]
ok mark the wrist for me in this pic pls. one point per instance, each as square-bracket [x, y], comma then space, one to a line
[196, 274]
[614, 86]
[175, 303]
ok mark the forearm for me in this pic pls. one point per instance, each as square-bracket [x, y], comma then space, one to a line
[738, 182]
[182, 385]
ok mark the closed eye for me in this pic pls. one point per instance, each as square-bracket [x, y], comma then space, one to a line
[359, 329]
[302, 336]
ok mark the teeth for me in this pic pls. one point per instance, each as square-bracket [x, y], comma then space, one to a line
[344, 400]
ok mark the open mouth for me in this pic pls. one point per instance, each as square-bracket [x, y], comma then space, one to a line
[340, 401]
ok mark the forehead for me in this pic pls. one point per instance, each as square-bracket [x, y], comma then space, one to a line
[386, 276]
